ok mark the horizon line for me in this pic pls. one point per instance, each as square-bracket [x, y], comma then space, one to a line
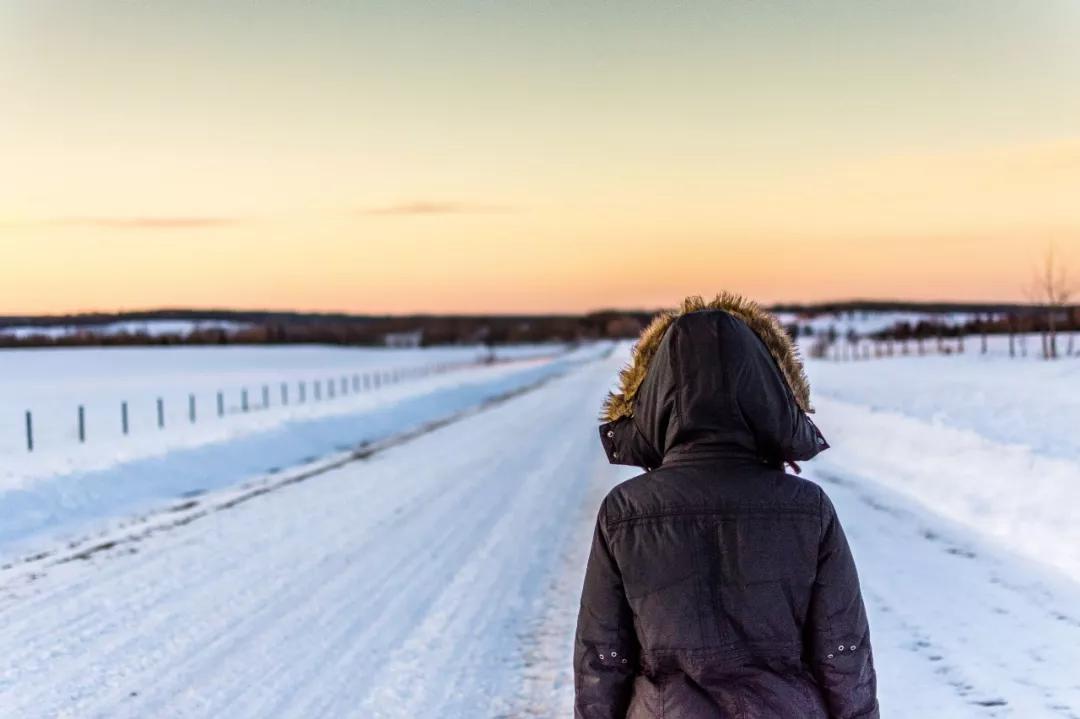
[852, 303]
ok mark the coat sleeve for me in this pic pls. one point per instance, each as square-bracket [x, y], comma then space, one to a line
[838, 632]
[605, 648]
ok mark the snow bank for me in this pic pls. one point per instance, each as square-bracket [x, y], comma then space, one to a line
[1016, 401]
[986, 441]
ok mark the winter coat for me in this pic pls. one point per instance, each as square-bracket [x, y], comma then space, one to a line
[718, 586]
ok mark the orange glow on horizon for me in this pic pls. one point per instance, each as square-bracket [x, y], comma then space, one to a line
[417, 158]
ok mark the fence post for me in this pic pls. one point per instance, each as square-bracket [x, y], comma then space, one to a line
[344, 385]
[29, 432]
[303, 391]
[266, 396]
[191, 408]
[367, 381]
[124, 417]
[243, 400]
[82, 424]
[356, 381]
[160, 413]
[318, 390]
[330, 388]
[284, 393]
[220, 404]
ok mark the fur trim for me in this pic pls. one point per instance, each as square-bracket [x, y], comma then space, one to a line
[764, 324]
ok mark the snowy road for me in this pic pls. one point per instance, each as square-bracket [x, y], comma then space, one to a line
[439, 578]
[408, 584]
[960, 628]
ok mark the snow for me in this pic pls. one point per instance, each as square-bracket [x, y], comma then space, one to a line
[52, 383]
[61, 486]
[960, 626]
[988, 441]
[152, 328]
[1010, 401]
[435, 572]
[405, 584]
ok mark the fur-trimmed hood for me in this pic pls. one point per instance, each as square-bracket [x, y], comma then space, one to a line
[721, 375]
[763, 323]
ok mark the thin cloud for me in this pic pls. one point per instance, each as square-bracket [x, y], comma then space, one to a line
[124, 223]
[146, 223]
[428, 207]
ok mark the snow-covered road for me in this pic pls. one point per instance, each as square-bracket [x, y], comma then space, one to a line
[439, 577]
[408, 584]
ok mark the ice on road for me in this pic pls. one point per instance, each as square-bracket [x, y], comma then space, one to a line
[440, 578]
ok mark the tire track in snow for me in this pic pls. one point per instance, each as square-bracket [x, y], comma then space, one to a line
[952, 638]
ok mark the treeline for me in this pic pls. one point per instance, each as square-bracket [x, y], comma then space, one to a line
[303, 328]
[245, 327]
[932, 308]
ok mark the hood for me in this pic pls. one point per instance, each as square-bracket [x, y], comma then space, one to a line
[717, 379]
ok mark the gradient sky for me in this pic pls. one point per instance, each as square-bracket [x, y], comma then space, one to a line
[531, 156]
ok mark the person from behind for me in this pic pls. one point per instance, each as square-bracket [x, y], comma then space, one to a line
[718, 585]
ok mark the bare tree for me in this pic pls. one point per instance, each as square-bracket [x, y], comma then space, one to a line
[1052, 288]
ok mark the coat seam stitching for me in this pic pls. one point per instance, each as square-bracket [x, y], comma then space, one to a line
[707, 513]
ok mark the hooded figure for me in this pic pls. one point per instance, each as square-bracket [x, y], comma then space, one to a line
[718, 586]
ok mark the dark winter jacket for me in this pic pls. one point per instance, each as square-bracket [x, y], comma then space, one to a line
[718, 586]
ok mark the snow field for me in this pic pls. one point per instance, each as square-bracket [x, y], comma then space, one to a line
[986, 441]
[440, 577]
[53, 383]
[61, 494]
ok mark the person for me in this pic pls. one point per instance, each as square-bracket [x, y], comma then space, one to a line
[718, 585]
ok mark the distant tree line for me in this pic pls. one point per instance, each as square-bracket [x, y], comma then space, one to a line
[302, 328]
[371, 330]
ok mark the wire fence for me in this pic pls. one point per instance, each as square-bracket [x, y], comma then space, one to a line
[1018, 345]
[201, 407]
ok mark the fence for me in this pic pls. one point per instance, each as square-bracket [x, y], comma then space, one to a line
[1017, 345]
[217, 406]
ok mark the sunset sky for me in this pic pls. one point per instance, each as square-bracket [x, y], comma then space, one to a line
[512, 156]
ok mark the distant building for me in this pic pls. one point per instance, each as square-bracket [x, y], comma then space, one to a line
[404, 339]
